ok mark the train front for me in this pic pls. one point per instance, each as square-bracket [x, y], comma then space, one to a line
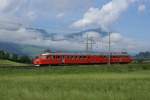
[36, 61]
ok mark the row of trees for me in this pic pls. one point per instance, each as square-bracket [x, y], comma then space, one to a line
[14, 57]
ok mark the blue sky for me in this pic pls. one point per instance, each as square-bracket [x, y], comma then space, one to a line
[130, 19]
[130, 23]
[55, 24]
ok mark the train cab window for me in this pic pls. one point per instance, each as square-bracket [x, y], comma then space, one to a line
[36, 57]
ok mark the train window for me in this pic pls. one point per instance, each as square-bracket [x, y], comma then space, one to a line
[77, 57]
[47, 57]
[65, 56]
[68, 57]
[72, 57]
[81, 57]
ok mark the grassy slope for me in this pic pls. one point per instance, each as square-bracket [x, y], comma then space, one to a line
[76, 83]
[9, 63]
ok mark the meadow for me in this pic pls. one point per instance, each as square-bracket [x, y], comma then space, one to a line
[86, 82]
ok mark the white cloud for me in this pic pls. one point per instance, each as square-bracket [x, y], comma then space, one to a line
[94, 35]
[120, 42]
[60, 15]
[31, 15]
[104, 16]
[9, 5]
[21, 35]
[14, 12]
[141, 8]
[30, 11]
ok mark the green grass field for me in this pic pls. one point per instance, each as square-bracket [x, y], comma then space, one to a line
[92, 82]
[4, 63]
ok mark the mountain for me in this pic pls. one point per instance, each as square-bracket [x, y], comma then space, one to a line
[34, 50]
[143, 55]
[21, 49]
[81, 33]
[10, 47]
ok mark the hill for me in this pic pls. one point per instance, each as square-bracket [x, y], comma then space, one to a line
[7, 63]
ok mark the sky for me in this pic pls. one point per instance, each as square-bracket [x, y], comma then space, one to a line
[128, 20]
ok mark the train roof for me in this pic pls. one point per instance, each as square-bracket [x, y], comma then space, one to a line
[83, 54]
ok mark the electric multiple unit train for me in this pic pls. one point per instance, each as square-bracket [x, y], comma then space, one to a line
[82, 58]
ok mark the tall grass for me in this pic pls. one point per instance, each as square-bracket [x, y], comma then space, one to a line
[93, 82]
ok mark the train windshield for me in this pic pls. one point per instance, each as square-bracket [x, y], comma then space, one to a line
[36, 57]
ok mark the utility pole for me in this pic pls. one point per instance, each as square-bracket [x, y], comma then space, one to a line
[109, 54]
[91, 39]
[89, 43]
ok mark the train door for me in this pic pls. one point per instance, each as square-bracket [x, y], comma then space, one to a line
[63, 59]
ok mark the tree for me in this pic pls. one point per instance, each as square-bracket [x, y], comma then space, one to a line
[14, 57]
[2, 53]
[6, 55]
[24, 59]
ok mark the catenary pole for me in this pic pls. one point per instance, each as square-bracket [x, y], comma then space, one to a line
[109, 54]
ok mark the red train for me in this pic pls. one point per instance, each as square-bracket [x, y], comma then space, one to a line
[81, 58]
